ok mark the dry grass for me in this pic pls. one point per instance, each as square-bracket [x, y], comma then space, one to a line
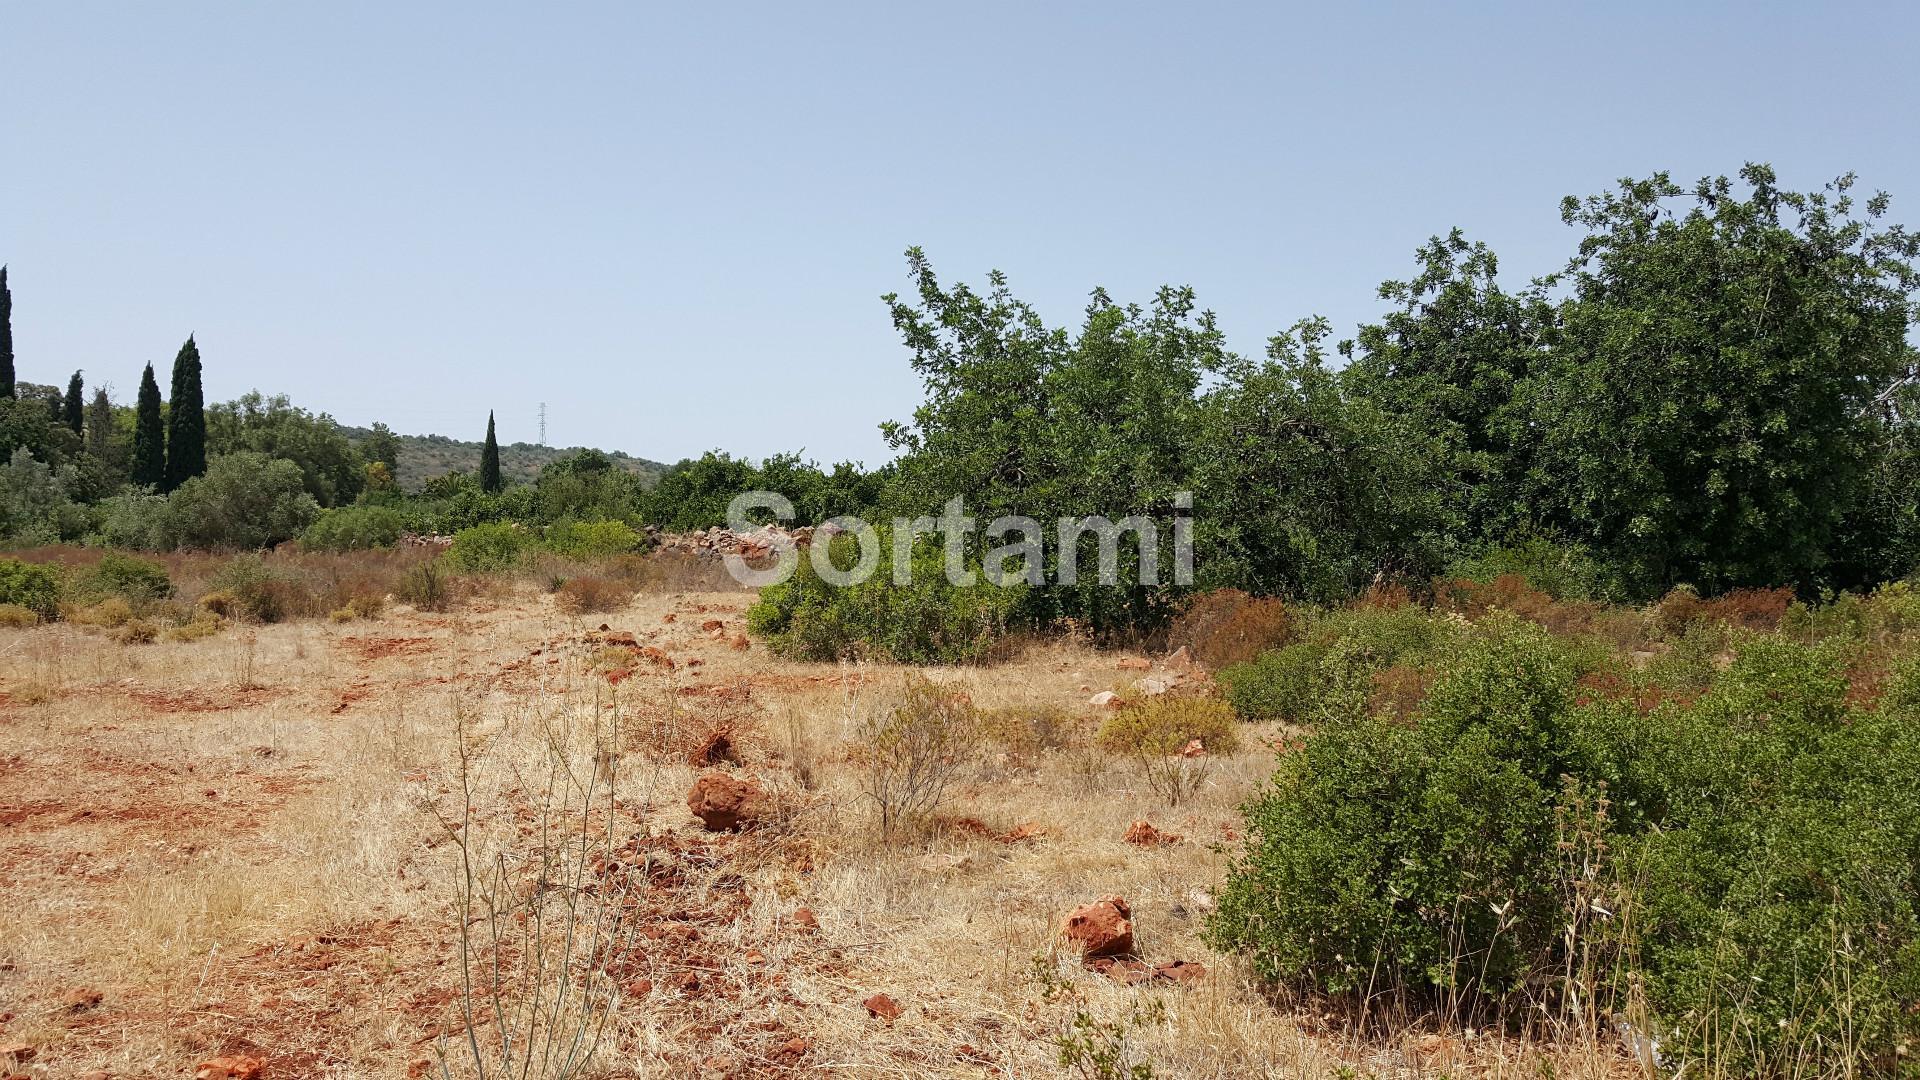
[250, 843]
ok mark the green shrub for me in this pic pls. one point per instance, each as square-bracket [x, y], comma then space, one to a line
[488, 548]
[1562, 571]
[427, 587]
[591, 539]
[1747, 865]
[1292, 683]
[1159, 736]
[15, 617]
[355, 528]
[123, 576]
[31, 586]
[928, 621]
[244, 501]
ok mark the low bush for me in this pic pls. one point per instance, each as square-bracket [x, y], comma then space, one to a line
[488, 548]
[912, 751]
[1292, 683]
[591, 539]
[1025, 732]
[136, 581]
[427, 587]
[1561, 571]
[355, 528]
[110, 613]
[1226, 626]
[1744, 866]
[928, 621]
[590, 593]
[247, 587]
[13, 616]
[136, 632]
[1160, 736]
[31, 586]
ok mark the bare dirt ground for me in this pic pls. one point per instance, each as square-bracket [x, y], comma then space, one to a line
[245, 846]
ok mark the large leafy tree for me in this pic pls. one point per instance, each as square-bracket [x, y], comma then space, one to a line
[1305, 489]
[1453, 357]
[186, 419]
[149, 435]
[490, 481]
[331, 468]
[1707, 411]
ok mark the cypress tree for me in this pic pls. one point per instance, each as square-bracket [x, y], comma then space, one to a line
[490, 461]
[74, 409]
[100, 425]
[186, 419]
[6, 336]
[149, 437]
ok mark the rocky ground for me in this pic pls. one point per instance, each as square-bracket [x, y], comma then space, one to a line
[361, 849]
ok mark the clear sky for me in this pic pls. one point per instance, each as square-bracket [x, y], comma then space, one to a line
[672, 223]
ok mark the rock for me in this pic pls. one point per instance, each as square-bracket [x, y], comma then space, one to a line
[1103, 698]
[1126, 972]
[711, 625]
[1102, 928]
[19, 1052]
[1194, 748]
[235, 1067]
[883, 1007]
[723, 803]
[97, 1074]
[80, 999]
[740, 643]
[1180, 660]
[1134, 663]
[716, 750]
[1143, 833]
[804, 919]
[1026, 830]
[1152, 686]
[1184, 973]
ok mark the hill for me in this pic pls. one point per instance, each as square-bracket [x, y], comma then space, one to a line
[423, 457]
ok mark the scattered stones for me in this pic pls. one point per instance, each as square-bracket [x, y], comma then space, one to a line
[1102, 928]
[235, 1067]
[1143, 833]
[1125, 971]
[1184, 973]
[882, 1007]
[1104, 699]
[723, 803]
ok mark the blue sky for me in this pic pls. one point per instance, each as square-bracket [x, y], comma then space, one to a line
[673, 223]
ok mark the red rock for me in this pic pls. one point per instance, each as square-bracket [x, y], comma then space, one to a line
[417, 1068]
[1194, 748]
[970, 1052]
[883, 1007]
[687, 982]
[669, 617]
[805, 919]
[716, 750]
[1102, 928]
[235, 1067]
[97, 1074]
[1143, 833]
[740, 643]
[754, 956]
[722, 802]
[1134, 663]
[1181, 972]
[711, 625]
[80, 999]
[791, 1051]
[638, 988]
[19, 1052]
[1125, 971]
[1180, 659]
[1026, 830]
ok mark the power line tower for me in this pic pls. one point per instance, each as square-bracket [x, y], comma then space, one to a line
[543, 423]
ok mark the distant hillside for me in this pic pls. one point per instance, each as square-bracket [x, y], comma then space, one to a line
[423, 457]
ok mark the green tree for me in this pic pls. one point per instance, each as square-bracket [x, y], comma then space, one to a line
[73, 409]
[382, 445]
[186, 419]
[331, 466]
[245, 500]
[149, 435]
[100, 426]
[490, 481]
[6, 336]
[1705, 415]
